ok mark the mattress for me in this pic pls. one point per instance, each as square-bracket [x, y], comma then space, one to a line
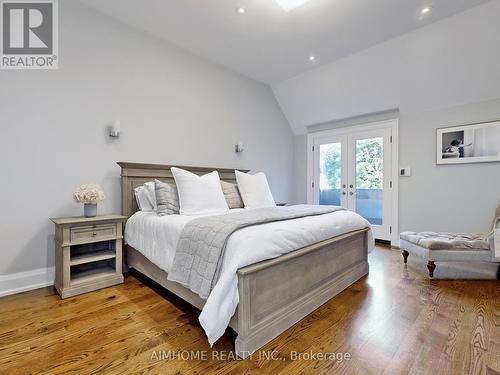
[156, 238]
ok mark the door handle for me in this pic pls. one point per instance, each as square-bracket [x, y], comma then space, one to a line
[351, 186]
[351, 193]
[343, 193]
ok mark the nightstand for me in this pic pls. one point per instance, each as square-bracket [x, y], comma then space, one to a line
[88, 253]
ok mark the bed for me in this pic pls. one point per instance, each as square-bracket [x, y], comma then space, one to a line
[272, 294]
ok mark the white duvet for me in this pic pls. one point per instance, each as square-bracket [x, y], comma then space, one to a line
[156, 238]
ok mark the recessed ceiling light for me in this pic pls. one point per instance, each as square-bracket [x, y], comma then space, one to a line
[241, 10]
[312, 58]
[425, 10]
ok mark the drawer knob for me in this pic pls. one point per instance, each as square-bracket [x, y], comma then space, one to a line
[94, 233]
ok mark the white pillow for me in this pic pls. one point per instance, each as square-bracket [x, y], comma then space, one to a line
[150, 188]
[199, 194]
[141, 196]
[254, 190]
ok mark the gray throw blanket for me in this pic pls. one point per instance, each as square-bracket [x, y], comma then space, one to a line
[200, 252]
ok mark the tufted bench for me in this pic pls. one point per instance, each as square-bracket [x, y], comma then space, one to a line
[449, 247]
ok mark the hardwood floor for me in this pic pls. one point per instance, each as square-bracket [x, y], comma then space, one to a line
[395, 321]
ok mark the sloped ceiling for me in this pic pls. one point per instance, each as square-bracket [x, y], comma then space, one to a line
[269, 44]
[449, 63]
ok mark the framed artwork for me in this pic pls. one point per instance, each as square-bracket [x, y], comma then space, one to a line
[475, 143]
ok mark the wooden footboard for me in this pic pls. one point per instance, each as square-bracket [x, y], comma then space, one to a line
[277, 293]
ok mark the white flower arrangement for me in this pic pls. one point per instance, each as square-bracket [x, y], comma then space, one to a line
[89, 193]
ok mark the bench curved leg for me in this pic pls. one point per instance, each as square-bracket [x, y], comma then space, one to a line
[431, 267]
[405, 255]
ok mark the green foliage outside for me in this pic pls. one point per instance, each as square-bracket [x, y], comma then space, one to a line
[369, 164]
[331, 165]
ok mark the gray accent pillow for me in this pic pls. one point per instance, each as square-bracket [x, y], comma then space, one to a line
[167, 198]
[232, 195]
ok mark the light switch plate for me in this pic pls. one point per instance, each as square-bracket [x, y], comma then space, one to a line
[405, 172]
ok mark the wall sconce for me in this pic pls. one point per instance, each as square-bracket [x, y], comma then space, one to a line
[114, 129]
[238, 147]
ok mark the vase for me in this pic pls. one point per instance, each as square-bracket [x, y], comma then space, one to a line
[90, 209]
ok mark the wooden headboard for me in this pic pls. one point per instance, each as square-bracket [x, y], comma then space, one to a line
[136, 174]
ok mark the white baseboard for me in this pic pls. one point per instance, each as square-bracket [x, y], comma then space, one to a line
[24, 281]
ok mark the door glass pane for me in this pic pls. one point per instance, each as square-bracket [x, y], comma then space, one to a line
[370, 179]
[330, 166]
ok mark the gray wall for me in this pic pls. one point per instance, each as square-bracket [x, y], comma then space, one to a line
[174, 108]
[459, 198]
[446, 197]
[300, 171]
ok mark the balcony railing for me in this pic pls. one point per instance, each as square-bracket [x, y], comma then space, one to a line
[368, 202]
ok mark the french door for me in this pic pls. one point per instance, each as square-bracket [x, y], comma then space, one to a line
[353, 170]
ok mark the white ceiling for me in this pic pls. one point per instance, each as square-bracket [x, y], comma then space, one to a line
[269, 44]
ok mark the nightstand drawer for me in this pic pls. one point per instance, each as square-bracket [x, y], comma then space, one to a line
[92, 233]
